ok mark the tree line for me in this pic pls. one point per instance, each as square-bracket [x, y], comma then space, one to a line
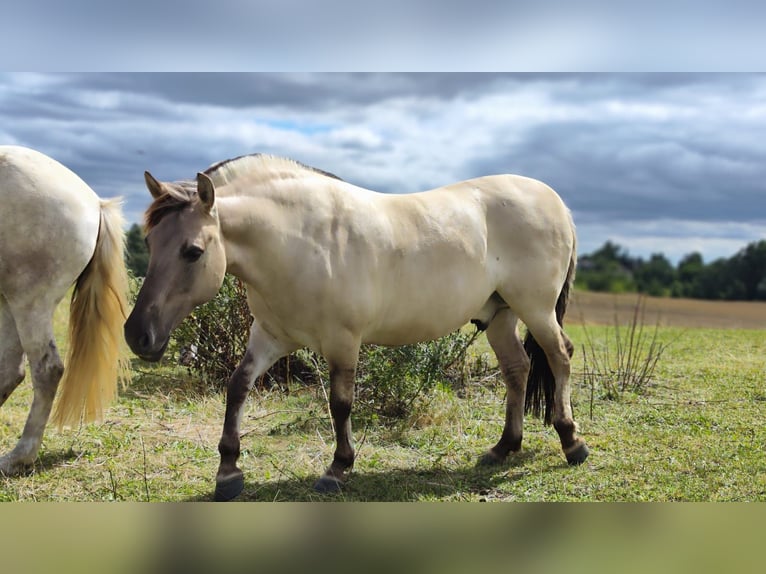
[741, 277]
[610, 268]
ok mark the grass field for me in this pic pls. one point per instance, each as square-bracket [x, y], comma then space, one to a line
[697, 434]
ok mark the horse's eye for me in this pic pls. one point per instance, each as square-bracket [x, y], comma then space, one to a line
[192, 253]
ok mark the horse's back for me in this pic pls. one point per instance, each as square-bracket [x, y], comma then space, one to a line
[50, 220]
[497, 218]
[526, 200]
[517, 200]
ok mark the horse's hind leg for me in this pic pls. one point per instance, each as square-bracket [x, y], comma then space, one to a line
[35, 332]
[558, 350]
[11, 354]
[503, 337]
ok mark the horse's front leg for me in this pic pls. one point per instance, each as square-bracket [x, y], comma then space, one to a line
[342, 379]
[262, 351]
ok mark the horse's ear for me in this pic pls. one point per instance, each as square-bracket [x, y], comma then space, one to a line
[154, 186]
[205, 191]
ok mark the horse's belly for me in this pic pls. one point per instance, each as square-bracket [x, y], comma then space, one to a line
[410, 333]
[426, 316]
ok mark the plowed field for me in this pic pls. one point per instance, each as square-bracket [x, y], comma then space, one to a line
[600, 309]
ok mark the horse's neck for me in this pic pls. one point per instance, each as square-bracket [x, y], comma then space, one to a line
[257, 215]
[249, 222]
[234, 219]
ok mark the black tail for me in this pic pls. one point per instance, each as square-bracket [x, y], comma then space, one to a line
[541, 384]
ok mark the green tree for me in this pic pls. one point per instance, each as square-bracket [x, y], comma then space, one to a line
[606, 269]
[656, 276]
[688, 274]
[613, 253]
[136, 253]
[741, 277]
[749, 267]
[718, 280]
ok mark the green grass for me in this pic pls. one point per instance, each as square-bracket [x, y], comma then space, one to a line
[697, 434]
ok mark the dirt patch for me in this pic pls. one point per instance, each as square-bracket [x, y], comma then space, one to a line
[600, 309]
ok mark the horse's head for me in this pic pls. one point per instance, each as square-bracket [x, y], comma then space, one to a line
[187, 262]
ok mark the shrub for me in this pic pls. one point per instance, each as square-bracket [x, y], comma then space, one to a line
[211, 341]
[392, 380]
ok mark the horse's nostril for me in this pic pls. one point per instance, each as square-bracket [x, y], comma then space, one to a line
[144, 342]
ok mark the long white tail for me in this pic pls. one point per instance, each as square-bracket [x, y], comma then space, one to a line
[96, 358]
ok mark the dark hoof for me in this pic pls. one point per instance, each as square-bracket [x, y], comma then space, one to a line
[229, 489]
[328, 485]
[490, 459]
[578, 455]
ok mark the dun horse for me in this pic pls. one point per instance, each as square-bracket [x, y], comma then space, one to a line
[329, 266]
[56, 232]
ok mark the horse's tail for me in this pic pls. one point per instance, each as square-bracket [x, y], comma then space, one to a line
[96, 360]
[541, 384]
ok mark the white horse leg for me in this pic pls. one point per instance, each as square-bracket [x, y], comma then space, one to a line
[503, 337]
[262, 352]
[558, 349]
[11, 354]
[35, 331]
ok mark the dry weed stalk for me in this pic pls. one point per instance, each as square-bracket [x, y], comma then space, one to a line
[626, 359]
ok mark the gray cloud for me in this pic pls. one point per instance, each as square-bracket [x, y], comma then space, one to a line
[292, 90]
[625, 151]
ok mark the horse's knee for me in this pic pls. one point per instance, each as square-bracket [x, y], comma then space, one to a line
[48, 376]
[47, 370]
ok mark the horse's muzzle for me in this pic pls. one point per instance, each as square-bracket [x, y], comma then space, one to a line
[143, 341]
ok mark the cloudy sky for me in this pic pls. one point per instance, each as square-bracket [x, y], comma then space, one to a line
[655, 162]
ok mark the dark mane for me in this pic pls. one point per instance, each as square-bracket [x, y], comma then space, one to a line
[183, 194]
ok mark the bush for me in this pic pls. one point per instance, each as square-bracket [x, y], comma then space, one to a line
[212, 340]
[392, 380]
